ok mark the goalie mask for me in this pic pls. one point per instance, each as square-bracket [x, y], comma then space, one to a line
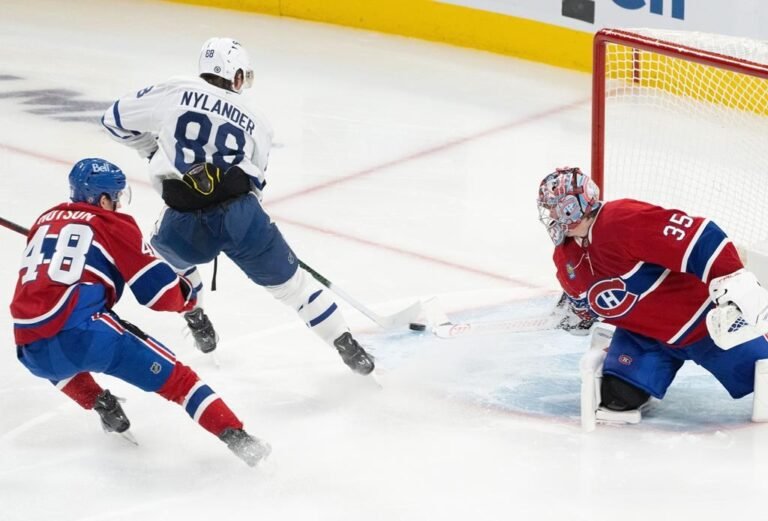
[223, 57]
[566, 197]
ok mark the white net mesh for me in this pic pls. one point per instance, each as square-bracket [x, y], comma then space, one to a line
[690, 136]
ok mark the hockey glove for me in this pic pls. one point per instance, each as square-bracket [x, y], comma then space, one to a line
[741, 314]
[741, 289]
[576, 319]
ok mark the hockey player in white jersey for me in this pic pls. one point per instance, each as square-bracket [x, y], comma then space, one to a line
[207, 156]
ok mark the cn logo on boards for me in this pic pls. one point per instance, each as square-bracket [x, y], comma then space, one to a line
[584, 10]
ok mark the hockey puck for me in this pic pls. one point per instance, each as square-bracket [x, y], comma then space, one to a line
[413, 326]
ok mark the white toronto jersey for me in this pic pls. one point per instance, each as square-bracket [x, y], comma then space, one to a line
[185, 121]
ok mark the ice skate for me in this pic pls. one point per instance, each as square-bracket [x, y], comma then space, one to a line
[202, 330]
[249, 449]
[353, 354]
[113, 419]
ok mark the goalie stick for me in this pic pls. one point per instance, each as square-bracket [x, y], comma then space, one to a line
[401, 318]
[515, 325]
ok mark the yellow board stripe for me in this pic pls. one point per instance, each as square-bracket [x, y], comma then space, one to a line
[686, 79]
[434, 21]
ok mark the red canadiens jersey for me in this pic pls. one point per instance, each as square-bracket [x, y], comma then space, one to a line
[78, 259]
[646, 269]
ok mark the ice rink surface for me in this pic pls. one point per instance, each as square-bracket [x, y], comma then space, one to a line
[403, 170]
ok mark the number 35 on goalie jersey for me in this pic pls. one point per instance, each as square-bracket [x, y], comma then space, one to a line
[646, 269]
[77, 262]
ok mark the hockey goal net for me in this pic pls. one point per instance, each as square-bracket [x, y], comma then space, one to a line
[680, 119]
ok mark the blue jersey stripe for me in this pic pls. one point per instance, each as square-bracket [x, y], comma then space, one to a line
[197, 398]
[707, 245]
[98, 261]
[118, 122]
[644, 278]
[147, 286]
[109, 129]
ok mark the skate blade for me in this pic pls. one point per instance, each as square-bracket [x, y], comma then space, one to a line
[126, 435]
[370, 380]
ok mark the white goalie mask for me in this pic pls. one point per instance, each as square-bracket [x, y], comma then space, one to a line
[223, 57]
[566, 197]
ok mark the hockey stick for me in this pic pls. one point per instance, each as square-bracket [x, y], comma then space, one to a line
[404, 317]
[13, 226]
[401, 318]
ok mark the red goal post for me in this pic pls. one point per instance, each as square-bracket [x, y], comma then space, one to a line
[681, 119]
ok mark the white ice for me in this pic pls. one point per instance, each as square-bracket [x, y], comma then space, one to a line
[405, 170]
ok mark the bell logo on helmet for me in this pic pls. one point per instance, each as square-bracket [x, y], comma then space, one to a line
[93, 177]
[104, 167]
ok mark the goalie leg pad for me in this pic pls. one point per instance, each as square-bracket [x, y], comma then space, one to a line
[598, 389]
[619, 395]
[591, 369]
[760, 397]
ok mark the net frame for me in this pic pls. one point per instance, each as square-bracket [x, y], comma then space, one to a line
[735, 55]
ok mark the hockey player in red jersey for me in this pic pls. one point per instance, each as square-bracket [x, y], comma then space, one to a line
[78, 260]
[655, 274]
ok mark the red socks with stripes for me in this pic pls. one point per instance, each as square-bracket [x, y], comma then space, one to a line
[201, 403]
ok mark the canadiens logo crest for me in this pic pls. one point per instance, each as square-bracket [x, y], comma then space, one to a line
[610, 298]
[570, 270]
[625, 360]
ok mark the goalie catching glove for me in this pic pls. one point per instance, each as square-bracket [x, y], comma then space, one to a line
[741, 314]
[576, 320]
